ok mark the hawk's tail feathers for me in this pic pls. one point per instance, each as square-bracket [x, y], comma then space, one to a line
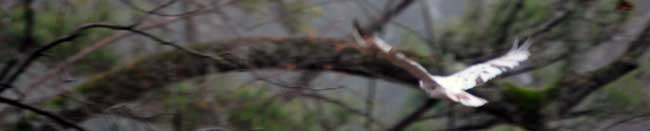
[464, 98]
[455, 95]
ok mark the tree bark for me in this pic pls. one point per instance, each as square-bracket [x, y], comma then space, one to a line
[129, 82]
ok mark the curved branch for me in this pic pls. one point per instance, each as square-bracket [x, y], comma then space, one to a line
[156, 10]
[77, 33]
[510, 18]
[387, 15]
[131, 81]
[55, 118]
[626, 120]
[578, 86]
[415, 115]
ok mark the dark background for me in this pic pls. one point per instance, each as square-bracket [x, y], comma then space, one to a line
[183, 65]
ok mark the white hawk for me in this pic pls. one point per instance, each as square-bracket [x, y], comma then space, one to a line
[454, 85]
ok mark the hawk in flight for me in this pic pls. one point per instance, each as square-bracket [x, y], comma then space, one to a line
[454, 85]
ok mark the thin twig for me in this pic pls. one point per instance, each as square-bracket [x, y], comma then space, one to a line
[343, 106]
[551, 24]
[562, 16]
[7, 68]
[451, 116]
[476, 126]
[27, 40]
[77, 33]
[415, 115]
[370, 102]
[430, 14]
[155, 11]
[597, 78]
[98, 45]
[395, 57]
[381, 22]
[295, 87]
[61, 121]
[504, 28]
[614, 124]
[28, 34]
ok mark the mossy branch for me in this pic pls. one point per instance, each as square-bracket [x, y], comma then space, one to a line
[129, 82]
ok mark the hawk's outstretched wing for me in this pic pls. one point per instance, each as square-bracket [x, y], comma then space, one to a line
[480, 73]
[455, 84]
[452, 86]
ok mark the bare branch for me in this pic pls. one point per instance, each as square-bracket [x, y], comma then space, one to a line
[98, 45]
[551, 24]
[579, 86]
[415, 115]
[397, 58]
[28, 34]
[156, 10]
[61, 121]
[561, 17]
[27, 40]
[78, 32]
[367, 36]
[344, 106]
[623, 121]
[471, 127]
[389, 14]
[288, 86]
[7, 68]
[504, 28]
[159, 70]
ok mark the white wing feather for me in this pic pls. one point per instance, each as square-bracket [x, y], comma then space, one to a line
[455, 84]
[480, 73]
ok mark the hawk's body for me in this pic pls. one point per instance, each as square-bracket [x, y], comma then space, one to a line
[453, 86]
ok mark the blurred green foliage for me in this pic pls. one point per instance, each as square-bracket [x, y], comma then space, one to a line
[626, 94]
[478, 28]
[257, 111]
[250, 5]
[250, 107]
[527, 98]
[51, 24]
[296, 15]
[246, 108]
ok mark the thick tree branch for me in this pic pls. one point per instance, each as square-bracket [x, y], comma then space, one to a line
[576, 87]
[131, 81]
[397, 58]
[366, 36]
